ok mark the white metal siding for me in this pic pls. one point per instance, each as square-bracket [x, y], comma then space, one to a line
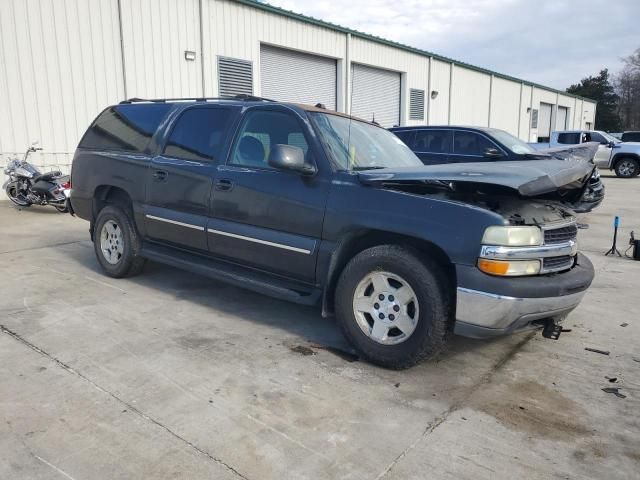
[544, 120]
[291, 76]
[439, 107]
[375, 94]
[505, 102]
[470, 97]
[60, 65]
[561, 118]
[156, 34]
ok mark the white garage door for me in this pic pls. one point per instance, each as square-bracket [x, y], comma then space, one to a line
[290, 76]
[375, 94]
[544, 120]
[561, 118]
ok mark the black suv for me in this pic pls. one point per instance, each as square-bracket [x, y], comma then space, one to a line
[315, 207]
[436, 145]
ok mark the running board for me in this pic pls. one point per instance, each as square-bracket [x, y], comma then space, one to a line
[233, 274]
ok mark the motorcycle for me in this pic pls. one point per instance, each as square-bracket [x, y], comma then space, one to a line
[28, 186]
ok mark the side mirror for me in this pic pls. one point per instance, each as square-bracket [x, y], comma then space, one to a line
[610, 144]
[493, 153]
[288, 157]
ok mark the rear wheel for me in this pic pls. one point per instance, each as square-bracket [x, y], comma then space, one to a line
[391, 306]
[627, 168]
[116, 243]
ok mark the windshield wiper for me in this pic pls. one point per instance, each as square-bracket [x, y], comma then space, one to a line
[374, 167]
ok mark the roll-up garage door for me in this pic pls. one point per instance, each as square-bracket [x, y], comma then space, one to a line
[561, 118]
[375, 94]
[290, 76]
[544, 121]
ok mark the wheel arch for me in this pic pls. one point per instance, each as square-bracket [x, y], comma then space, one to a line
[104, 195]
[360, 240]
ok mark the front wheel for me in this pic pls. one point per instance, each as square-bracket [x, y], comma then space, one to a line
[627, 168]
[16, 196]
[116, 243]
[392, 306]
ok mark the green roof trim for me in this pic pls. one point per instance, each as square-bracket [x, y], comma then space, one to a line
[332, 26]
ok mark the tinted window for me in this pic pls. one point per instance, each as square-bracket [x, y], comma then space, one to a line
[406, 136]
[198, 134]
[470, 143]
[433, 141]
[125, 127]
[260, 131]
[569, 138]
[631, 137]
[596, 137]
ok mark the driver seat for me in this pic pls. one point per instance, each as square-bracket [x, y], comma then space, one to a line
[47, 177]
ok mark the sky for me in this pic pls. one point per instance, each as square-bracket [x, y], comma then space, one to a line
[552, 42]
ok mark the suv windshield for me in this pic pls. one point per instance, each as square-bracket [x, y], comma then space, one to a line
[514, 144]
[610, 138]
[356, 145]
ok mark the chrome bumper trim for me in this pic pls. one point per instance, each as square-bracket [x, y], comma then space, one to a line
[489, 310]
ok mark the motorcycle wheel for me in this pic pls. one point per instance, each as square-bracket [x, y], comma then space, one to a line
[17, 198]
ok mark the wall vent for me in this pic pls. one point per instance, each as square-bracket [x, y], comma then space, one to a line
[235, 77]
[416, 104]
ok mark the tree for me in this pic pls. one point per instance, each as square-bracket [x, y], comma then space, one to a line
[628, 89]
[600, 88]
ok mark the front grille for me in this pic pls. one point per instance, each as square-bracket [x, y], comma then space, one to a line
[560, 235]
[553, 263]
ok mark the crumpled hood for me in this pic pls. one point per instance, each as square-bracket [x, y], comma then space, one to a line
[529, 178]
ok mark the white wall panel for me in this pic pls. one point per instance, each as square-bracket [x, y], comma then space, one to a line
[470, 98]
[235, 30]
[156, 34]
[438, 108]
[525, 130]
[505, 105]
[60, 64]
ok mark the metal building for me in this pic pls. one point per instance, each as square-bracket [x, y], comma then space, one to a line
[62, 62]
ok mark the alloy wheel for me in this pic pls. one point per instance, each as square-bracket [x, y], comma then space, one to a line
[386, 308]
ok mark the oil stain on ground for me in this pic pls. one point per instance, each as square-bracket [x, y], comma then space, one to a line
[534, 409]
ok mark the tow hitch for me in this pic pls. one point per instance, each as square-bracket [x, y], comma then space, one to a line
[552, 330]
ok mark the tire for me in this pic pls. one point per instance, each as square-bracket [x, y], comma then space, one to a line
[429, 315]
[627, 168]
[116, 243]
[12, 193]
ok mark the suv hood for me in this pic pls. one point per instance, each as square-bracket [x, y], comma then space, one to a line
[529, 178]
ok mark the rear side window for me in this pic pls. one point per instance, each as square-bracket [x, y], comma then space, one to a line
[199, 134]
[569, 138]
[433, 141]
[124, 127]
[631, 137]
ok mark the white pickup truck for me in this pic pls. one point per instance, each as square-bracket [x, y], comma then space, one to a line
[621, 157]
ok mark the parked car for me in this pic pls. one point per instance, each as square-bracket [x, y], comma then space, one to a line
[436, 145]
[632, 136]
[315, 207]
[622, 158]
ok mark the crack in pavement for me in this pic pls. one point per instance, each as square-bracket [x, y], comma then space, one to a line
[439, 420]
[43, 246]
[131, 408]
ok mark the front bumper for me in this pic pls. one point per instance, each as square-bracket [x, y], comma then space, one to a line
[487, 306]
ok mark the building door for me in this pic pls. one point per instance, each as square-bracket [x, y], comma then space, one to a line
[290, 76]
[375, 95]
[561, 118]
[544, 122]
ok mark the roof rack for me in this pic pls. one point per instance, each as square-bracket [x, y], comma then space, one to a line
[243, 97]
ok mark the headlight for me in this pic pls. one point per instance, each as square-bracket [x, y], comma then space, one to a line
[509, 268]
[513, 236]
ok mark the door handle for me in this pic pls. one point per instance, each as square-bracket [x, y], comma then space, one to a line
[224, 185]
[160, 175]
